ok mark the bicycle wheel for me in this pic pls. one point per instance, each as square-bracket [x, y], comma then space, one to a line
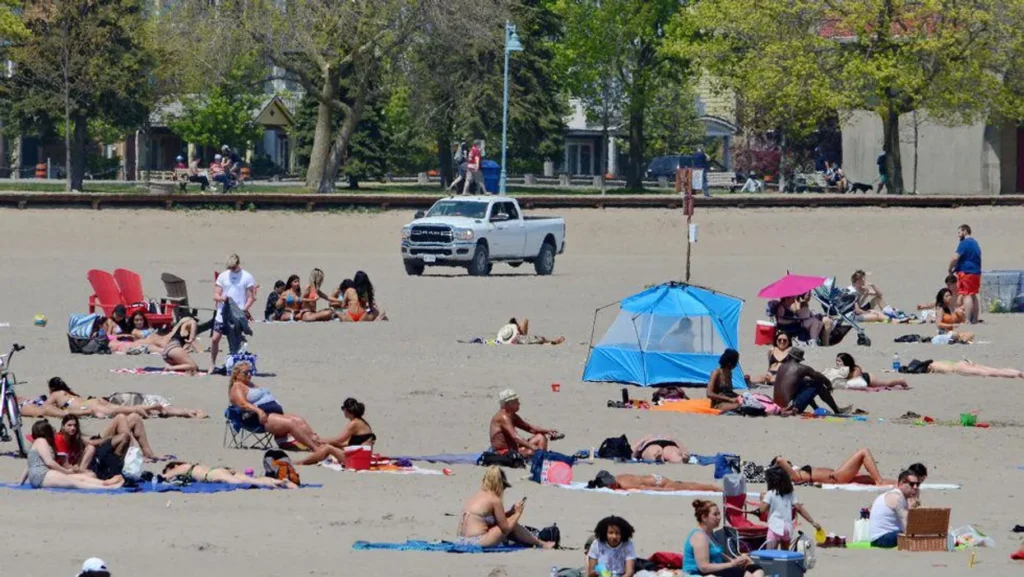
[14, 424]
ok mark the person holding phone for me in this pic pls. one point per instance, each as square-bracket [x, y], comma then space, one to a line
[486, 523]
[702, 555]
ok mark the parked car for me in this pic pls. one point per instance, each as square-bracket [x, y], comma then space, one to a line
[476, 231]
[667, 165]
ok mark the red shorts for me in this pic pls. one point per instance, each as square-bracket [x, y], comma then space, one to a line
[968, 284]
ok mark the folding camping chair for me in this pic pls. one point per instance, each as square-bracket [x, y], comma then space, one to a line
[130, 284]
[238, 436]
[749, 536]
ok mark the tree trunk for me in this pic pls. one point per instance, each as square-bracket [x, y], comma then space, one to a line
[635, 174]
[782, 163]
[339, 150]
[891, 145]
[916, 125]
[320, 154]
[68, 186]
[79, 142]
[444, 157]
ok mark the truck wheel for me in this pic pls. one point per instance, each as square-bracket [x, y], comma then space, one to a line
[545, 263]
[414, 268]
[480, 265]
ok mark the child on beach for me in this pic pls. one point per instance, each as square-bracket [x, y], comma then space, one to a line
[271, 312]
[780, 502]
[612, 554]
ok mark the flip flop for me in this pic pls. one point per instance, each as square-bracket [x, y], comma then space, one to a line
[557, 436]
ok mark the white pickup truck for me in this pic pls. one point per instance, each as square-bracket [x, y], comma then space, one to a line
[477, 231]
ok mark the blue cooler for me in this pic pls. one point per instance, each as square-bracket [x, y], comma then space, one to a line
[780, 563]
[492, 175]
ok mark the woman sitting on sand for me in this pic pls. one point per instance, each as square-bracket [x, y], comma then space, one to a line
[194, 472]
[776, 355]
[354, 300]
[518, 333]
[660, 449]
[121, 431]
[723, 397]
[845, 361]
[486, 523]
[948, 318]
[43, 470]
[848, 472]
[176, 345]
[261, 408]
[289, 302]
[310, 297]
[357, 432]
[605, 480]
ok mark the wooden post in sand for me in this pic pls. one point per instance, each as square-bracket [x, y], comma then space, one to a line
[684, 186]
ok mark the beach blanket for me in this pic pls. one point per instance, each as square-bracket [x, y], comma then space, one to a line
[194, 488]
[698, 406]
[702, 460]
[583, 487]
[879, 488]
[446, 458]
[163, 371]
[479, 341]
[876, 389]
[440, 546]
[334, 465]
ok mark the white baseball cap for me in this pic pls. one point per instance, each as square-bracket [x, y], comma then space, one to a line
[93, 565]
[507, 396]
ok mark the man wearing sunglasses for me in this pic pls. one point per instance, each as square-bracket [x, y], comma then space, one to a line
[889, 511]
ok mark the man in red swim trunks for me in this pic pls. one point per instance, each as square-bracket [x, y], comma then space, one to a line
[966, 263]
[505, 439]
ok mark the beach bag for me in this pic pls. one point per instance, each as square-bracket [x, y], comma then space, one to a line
[617, 448]
[511, 460]
[132, 468]
[106, 464]
[916, 367]
[550, 533]
[238, 358]
[725, 464]
[542, 457]
[278, 465]
[751, 407]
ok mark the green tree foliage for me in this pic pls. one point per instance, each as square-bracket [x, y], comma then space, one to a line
[222, 116]
[797, 61]
[673, 125]
[410, 149]
[621, 43]
[11, 26]
[83, 60]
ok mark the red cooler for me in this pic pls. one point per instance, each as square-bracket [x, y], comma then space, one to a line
[765, 333]
[358, 458]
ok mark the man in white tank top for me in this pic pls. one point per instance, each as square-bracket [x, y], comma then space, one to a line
[889, 511]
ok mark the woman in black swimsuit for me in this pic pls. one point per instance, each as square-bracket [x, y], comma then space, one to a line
[357, 431]
[175, 351]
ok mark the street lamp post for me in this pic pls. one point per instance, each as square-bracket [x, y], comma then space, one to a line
[512, 44]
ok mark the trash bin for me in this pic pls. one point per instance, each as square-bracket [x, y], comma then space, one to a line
[492, 175]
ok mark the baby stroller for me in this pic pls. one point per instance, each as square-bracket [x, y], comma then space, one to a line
[839, 304]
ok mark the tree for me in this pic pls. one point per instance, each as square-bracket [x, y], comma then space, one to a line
[624, 41]
[325, 44]
[60, 74]
[800, 60]
[11, 26]
[673, 124]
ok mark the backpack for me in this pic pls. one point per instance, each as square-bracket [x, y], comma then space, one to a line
[617, 448]
[551, 534]
[96, 345]
[512, 460]
[278, 465]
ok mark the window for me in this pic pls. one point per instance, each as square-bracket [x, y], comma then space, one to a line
[510, 209]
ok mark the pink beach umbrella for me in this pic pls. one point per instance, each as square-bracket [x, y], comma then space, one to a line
[791, 285]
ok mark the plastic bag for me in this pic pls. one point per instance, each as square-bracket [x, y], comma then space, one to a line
[132, 464]
[968, 536]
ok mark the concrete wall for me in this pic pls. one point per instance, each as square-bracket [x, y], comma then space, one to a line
[968, 159]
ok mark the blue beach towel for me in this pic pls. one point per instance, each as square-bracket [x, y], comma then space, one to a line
[150, 488]
[447, 458]
[439, 546]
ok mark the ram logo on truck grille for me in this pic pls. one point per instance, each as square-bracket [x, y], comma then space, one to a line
[431, 234]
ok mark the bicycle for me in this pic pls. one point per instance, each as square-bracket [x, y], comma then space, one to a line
[9, 407]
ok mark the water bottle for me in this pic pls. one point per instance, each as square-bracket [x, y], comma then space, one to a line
[896, 362]
[554, 571]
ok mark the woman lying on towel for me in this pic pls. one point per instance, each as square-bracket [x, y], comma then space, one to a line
[606, 480]
[261, 408]
[486, 523]
[62, 397]
[62, 401]
[194, 472]
[845, 361]
[968, 369]
[660, 449]
[43, 470]
[518, 333]
[848, 472]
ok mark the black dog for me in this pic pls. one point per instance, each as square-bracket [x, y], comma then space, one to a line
[860, 187]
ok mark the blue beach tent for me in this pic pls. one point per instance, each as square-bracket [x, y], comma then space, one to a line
[670, 333]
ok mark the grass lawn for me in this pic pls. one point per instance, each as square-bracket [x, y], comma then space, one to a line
[365, 188]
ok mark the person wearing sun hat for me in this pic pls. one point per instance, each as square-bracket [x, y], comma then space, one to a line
[94, 567]
[505, 439]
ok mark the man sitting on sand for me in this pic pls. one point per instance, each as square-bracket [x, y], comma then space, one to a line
[517, 333]
[505, 439]
[606, 480]
[870, 303]
[796, 386]
[889, 511]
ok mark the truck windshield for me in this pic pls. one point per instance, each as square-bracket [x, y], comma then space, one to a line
[466, 208]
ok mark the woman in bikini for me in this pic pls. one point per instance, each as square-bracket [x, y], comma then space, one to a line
[848, 472]
[844, 360]
[486, 523]
[290, 300]
[43, 470]
[660, 449]
[776, 355]
[346, 304]
[311, 295]
[194, 472]
[948, 318]
[723, 397]
[176, 345]
[261, 408]
[968, 369]
[356, 433]
[63, 398]
[364, 289]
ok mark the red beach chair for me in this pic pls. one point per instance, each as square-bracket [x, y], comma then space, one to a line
[130, 285]
[105, 295]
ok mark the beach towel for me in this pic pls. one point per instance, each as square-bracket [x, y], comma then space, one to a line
[446, 458]
[880, 488]
[440, 546]
[163, 371]
[698, 406]
[193, 488]
[479, 341]
[332, 464]
[583, 487]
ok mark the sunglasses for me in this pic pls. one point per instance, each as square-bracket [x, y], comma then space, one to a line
[918, 484]
[782, 340]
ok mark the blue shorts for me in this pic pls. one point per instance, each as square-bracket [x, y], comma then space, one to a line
[887, 541]
[804, 397]
[218, 327]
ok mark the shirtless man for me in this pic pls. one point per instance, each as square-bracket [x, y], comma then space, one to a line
[505, 439]
[606, 480]
[796, 386]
